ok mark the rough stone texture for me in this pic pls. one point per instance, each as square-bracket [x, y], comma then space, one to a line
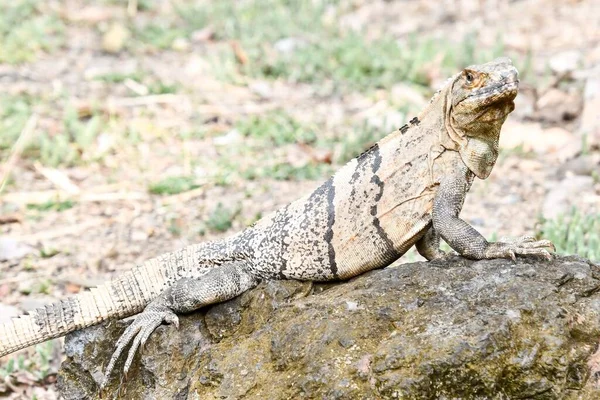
[452, 328]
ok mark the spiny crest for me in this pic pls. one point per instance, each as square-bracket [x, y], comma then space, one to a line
[446, 84]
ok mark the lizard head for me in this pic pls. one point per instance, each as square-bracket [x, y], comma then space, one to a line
[480, 99]
[487, 90]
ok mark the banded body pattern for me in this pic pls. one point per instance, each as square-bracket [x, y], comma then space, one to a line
[365, 216]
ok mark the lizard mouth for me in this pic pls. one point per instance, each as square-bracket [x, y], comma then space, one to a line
[497, 92]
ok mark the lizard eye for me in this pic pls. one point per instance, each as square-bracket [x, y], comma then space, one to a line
[469, 77]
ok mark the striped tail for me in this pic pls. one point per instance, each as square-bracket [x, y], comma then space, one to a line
[125, 296]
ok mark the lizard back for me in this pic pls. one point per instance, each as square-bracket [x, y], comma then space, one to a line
[365, 216]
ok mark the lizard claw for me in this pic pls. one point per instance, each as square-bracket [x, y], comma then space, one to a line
[139, 331]
[525, 245]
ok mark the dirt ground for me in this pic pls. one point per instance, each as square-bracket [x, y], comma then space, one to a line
[128, 129]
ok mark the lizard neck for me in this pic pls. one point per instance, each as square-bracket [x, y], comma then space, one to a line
[475, 136]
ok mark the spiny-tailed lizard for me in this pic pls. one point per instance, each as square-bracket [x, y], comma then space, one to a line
[408, 189]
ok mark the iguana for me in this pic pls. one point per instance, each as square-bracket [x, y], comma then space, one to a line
[408, 189]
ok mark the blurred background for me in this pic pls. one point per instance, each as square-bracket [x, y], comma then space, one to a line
[131, 128]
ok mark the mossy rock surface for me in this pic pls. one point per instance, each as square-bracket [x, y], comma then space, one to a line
[441, 330]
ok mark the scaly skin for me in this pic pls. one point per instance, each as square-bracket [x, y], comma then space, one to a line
[406, 190]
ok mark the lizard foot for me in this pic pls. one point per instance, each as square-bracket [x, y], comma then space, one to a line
[139, 331]
[524, 245]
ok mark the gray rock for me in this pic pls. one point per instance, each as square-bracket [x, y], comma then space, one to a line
[8, 312]
[556, 106]
[12, 249]
[584, 165]
[566, 61]
[560, 199]
[452, 328]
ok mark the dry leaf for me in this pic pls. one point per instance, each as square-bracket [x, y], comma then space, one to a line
[240, 55]
[72, 288]
[10, 219]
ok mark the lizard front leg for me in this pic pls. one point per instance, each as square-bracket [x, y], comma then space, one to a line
[187, 294]
[462, 237]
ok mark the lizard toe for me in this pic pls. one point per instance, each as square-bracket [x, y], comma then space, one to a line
[141, 337]
[137, 334]
[523, 246]
[144, 335]
[543, 248]
[501, 250]
[540, 244]
[525, 239]
[528, 242]
[519, 240]
[171, 319]
[125, 338]
[542, 252]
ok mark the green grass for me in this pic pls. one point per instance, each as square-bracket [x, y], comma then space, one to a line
[272, 133]
[287, 172]
[173, 185]
[220, 219]
[174, 226]
[14, 113]
[27, 28]
[38, 364]
[81, 132]
[42, 287]
[160, 87]
[154, 85]
[55, 150]
[142, 5]
[346, 59]
[159, 35]
[49, 252]
[273, 130]
[277, 128]
[361, 138]
[351, 60]
[517, 151]
[70, 146]
[73, 145]
[119, 77]
[256, 22]
[320, 49]
[52, 206]
[574, 233]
